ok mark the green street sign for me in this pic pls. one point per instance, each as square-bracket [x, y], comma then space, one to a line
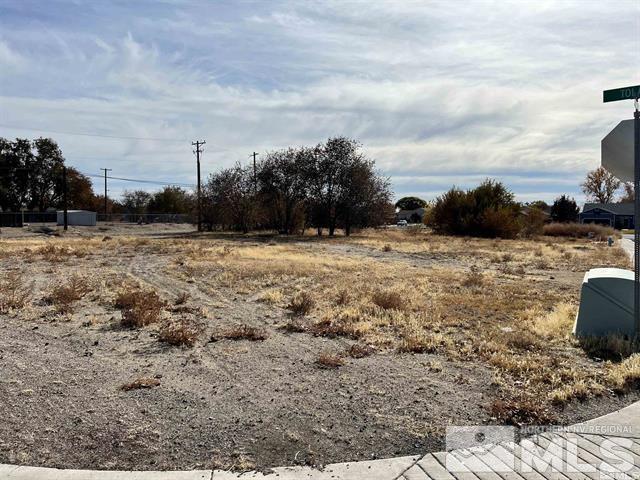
[626, 93]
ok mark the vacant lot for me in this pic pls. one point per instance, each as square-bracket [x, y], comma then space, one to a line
[150, 350]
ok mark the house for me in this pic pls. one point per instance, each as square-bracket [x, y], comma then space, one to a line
[411, 216]
[616, 215]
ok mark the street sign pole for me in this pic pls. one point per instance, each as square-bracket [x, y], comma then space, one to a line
[633, 93]
[636, 231]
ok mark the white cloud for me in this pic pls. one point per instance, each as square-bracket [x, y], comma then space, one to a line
[495, 89]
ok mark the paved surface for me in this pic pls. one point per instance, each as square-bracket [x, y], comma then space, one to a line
[627, 244]
[606, 448]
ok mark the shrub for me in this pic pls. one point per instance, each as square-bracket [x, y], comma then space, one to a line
[140, 307]
[142, 382]
[578, 230]
[532, 222]
[14, 292]
[301, 304]
[329, 360]
[181, 332]
[182, 298]
[63, 296]
[388, 299]
[359, 350]
[489, 210]
[521, 412]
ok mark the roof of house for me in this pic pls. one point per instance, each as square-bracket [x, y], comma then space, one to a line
[615, 208]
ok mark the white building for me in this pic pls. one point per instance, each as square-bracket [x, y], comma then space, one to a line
[78, 217]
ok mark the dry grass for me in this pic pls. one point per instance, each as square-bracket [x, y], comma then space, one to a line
[182, 298]
[301, 304]
[329, 360]
[625, 375]
[15, 293]
[389, 299]
[181, 332]
[521, 412]
[139, 307]
[488, 302]
[359, 350]
[64, 296]
[241, 332]
[140, 383]
[579, 230]
[273, 296]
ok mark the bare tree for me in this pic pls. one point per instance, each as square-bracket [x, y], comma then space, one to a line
[600, 185]
[628, 196]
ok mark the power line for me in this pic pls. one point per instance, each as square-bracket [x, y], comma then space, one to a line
[59, 132]
[137, 180]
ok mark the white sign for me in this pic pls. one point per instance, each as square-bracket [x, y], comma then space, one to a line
[617, 151]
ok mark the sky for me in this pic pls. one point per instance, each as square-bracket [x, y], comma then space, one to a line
[438, 93]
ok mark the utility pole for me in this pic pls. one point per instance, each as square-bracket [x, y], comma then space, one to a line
[198, 144]
[255, 173]
[64, 197]
[105, 191]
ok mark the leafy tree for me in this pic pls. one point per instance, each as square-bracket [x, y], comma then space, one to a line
[231, 195]
[171, 200]
[31, 176]
[410, 203]
[489, 210]
[600, 185]
[136, 201]
[284, 188]
[79, 191]
[564, 209]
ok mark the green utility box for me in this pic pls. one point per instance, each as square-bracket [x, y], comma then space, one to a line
[606, 303]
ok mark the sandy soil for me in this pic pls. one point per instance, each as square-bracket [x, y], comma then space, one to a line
[232, 404]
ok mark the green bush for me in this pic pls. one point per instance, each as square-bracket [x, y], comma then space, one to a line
[489, 210]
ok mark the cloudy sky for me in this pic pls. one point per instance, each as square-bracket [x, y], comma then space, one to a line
[439, 93]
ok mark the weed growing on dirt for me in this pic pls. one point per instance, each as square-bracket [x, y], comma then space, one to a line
[388, 299]
[140, 383]
[329, 360]
[180, 332]
[301, 304]
[241, 332]
[182, 298]
[360, 350]
[139, 307]
[64, 296]
[14, 292]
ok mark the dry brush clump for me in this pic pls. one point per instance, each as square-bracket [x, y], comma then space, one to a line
[329, 360]
[579, 230]
[64, 295]
[15, 293]
[140, 383]
[301, 304]
[241, 332]
[139, 307]
[389, 299]
[182, 332]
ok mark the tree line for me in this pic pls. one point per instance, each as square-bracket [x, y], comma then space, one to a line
[31, 177]
[328, 186]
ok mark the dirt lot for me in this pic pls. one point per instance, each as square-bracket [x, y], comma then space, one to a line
[261, 351]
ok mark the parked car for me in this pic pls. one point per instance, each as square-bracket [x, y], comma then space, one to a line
[402, 223]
